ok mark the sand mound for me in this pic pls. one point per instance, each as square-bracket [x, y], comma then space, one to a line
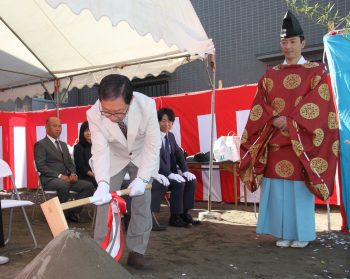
[73, 254]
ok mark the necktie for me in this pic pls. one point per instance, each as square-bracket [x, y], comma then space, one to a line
[167, 151]
[58, 147]
[123, 128]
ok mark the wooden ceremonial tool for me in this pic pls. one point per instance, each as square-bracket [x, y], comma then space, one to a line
[53, 210]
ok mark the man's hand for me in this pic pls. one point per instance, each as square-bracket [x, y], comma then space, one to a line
[73, 178]
[137, 187]
[65, 178]
[280, 123]
[162, 179]
[102, 193]
[177, 177]
[189, 176]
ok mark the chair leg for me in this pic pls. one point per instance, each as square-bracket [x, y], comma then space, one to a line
[36, 199]
[35, 203]
[94, 218]
[9, 229]
[155, 219]
[166, 199]
[30, 228]
[9, 233]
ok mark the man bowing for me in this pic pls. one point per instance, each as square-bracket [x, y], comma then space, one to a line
[125, 138]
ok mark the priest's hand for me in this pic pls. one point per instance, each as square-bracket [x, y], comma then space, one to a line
[280, 123]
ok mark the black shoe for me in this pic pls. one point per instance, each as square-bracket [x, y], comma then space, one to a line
[138, 261]
[72, 218]
[187, 218]
[156, 227]
[176, 221]
[83, 219]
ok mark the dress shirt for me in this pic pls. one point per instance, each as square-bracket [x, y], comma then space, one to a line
[162, 134]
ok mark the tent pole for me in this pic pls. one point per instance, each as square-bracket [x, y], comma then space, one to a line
[209, 214]
[57, 92]
[212, 113]
[48, 92]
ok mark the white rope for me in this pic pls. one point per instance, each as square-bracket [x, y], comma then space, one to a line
[307, 158]
[329, 216]
[256, 217]
[315, 171]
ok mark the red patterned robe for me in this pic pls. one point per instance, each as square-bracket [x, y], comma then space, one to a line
[309, 150]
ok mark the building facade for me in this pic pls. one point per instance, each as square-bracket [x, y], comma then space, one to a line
[246, 38]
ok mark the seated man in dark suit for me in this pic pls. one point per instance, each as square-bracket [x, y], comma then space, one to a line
[183, 186]
[57, 170]
[158, 193]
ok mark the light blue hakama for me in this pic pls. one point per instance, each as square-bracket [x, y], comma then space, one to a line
[286, 210]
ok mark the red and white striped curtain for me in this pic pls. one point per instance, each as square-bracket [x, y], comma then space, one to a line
[19, 132]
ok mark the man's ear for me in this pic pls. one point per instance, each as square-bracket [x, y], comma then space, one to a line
[303, 43]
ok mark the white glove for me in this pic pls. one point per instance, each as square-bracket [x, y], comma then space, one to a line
[162, 179]
[176, 177]
[190, 176]
[102, 193]
[137, 187]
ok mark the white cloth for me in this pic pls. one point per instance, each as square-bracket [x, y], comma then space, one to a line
[176, 177]
[137, 187]
[111, 152]
[301, 61]
[162, 179]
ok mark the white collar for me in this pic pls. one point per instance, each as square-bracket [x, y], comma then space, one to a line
[301, 61]
[52, 139]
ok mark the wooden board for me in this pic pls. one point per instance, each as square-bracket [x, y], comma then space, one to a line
[54, 216]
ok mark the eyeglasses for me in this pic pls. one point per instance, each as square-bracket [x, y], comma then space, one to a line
[114, 114]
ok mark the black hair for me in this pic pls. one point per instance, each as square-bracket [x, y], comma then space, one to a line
[115, 86]
[166, 111]
[84, 126]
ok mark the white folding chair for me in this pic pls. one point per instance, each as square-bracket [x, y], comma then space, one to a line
[14, 202]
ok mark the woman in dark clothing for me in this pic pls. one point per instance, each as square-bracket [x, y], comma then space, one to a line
[82, 154]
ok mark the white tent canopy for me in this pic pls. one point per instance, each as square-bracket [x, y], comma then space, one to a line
[81, 41]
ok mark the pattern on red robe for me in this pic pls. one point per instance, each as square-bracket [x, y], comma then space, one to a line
[309, 149]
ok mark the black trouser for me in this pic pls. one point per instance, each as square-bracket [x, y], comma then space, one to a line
[158, 192]
[181, 197]
[83, 188]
